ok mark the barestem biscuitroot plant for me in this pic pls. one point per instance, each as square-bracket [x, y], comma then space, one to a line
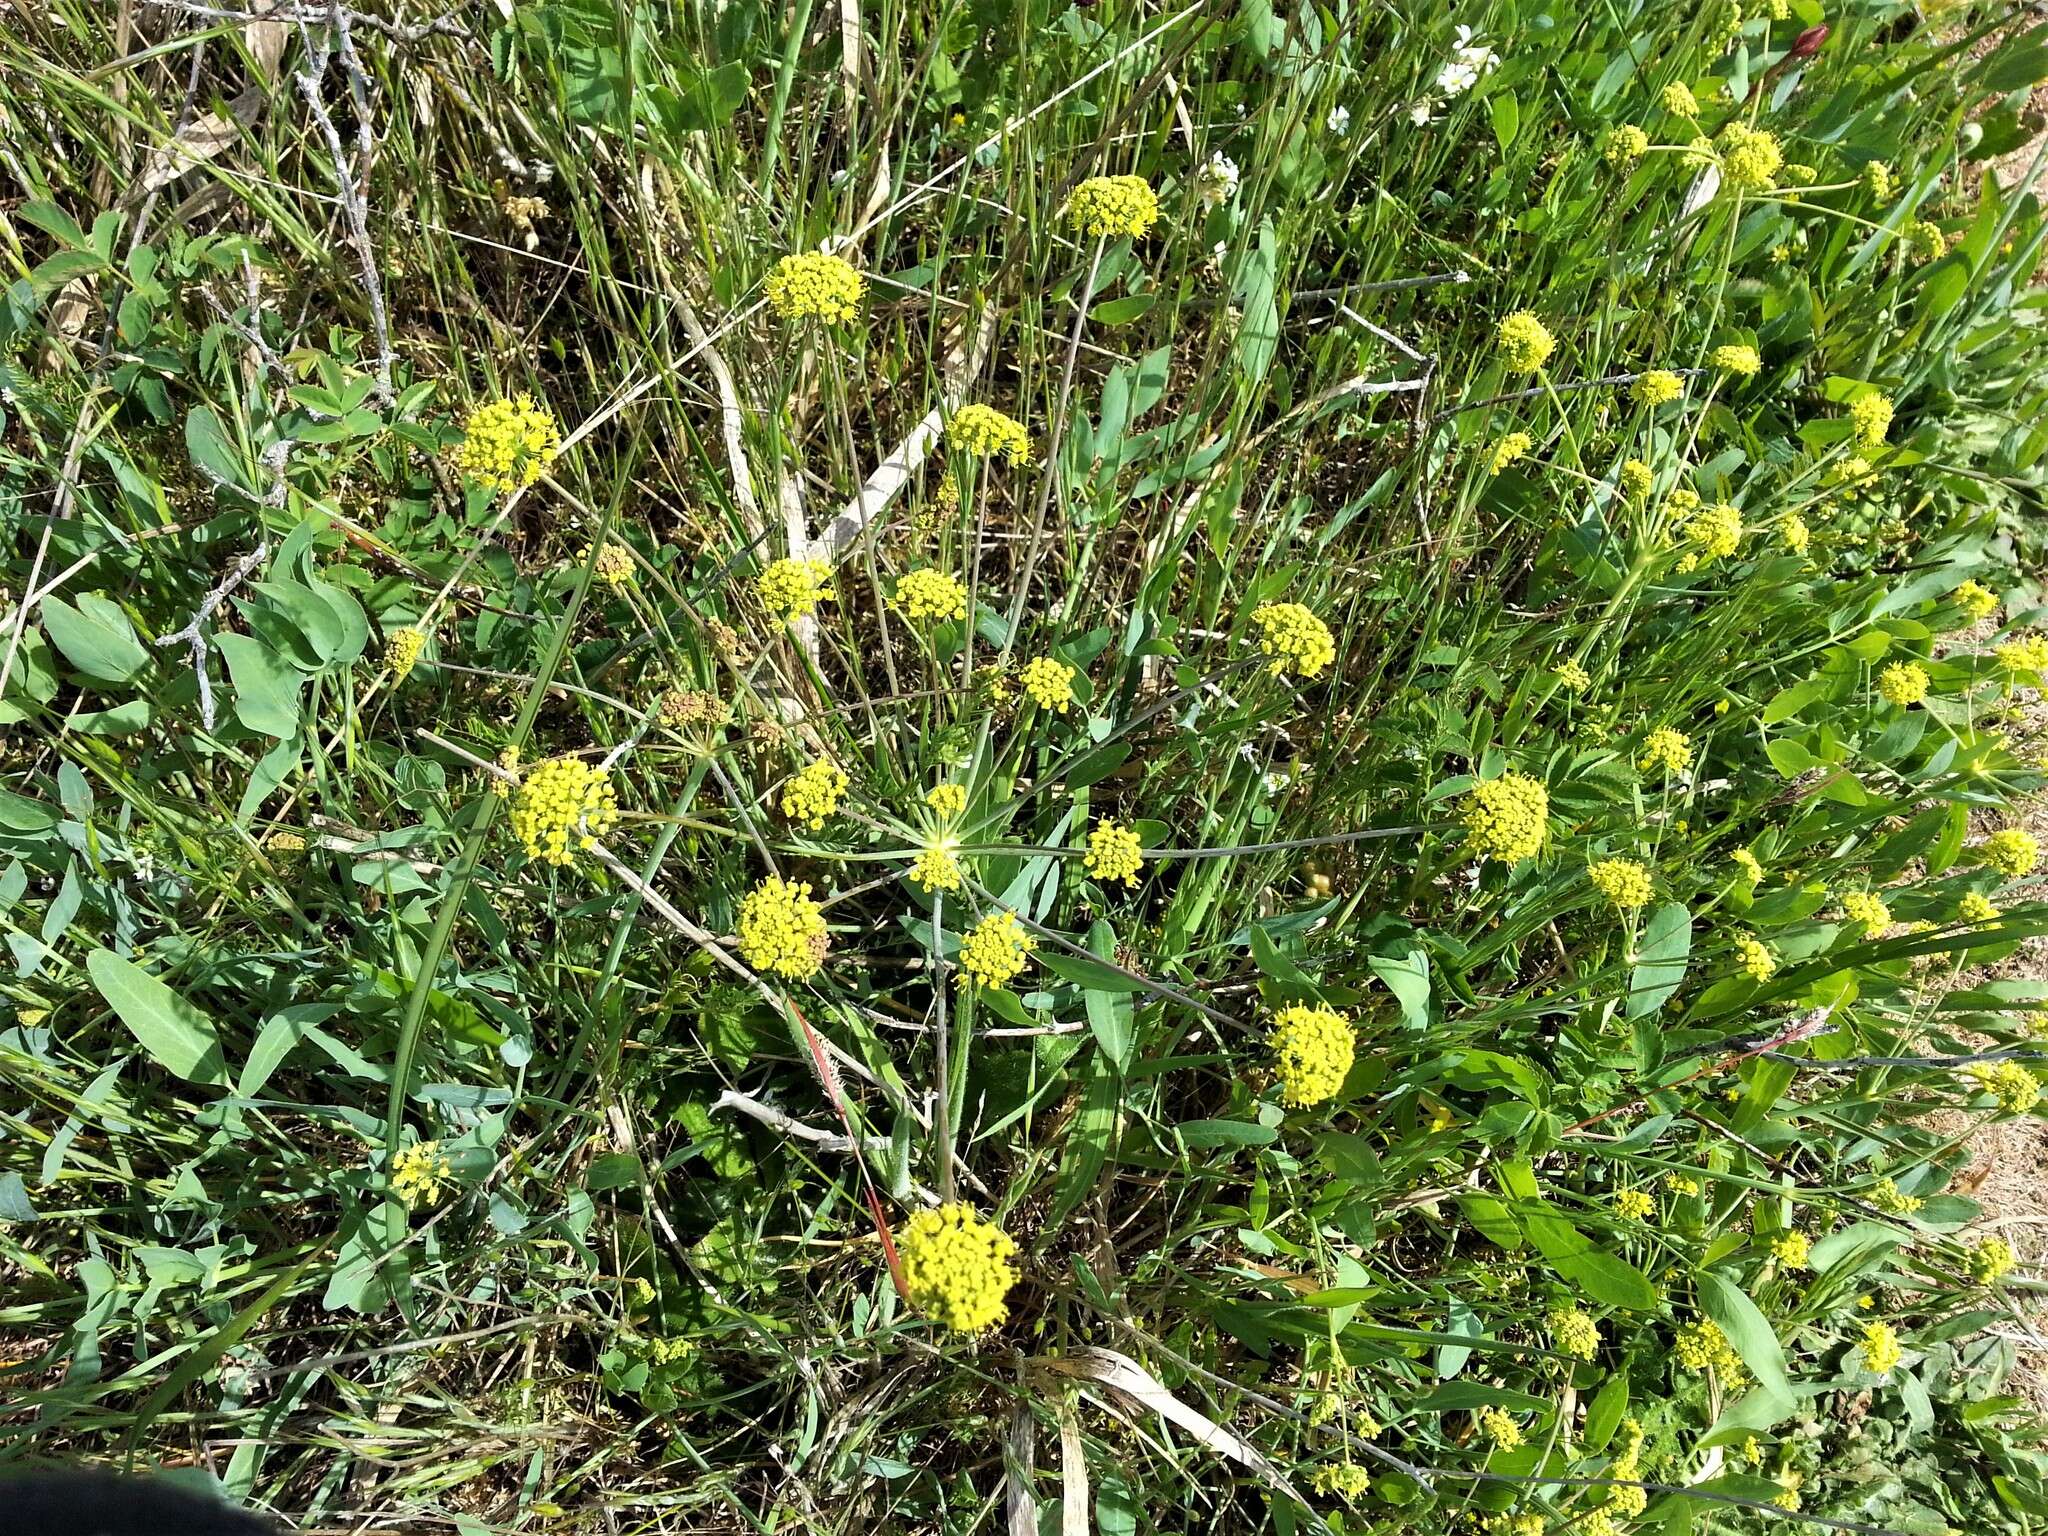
[1260, 769]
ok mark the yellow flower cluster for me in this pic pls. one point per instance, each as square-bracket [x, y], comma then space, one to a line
[1506, 818]
[2025, 653]
[792, 589]
[1925, 240]
[1573, 677]
[2015, 1088]
[1755, 957]
[1049, 683]
[1573, 1332]
[1499, 1427]
[402, 649]
[781, 929]
[1877, 179]
[1313, 1050]
[987, 433]
[1990, 1258]
[1791, 1249]
[562, 805]
[956, 1267]
[1886, 1195]
[1637, 479]
[1113, 205]
[1657, 386]
[1679, 100]
[1868, 910]
[1625, 146]
[1525, 342]
[1739, 360]
[995, 951]
[1903, 683]
[1880, 1349]
[814, 285]
[418, 1172]
[1798, 537]
[1747, 862]
[813, 793]
[1113, 853]
[1626, 1468]
[937, 868]
[614, 563]
[1624, 882]
[1701, 1346]
[1750, 158]
[2013, 852]
[1295, 638]
[1345, 1479]
[1665, 748]
[929, 596]
[1975, 907]
[1714, 532]
[1633, 1204]
[1871, 415]
[1977, 602]
[1515, 446]
[507, 444]
[949, 800]
[507, 779]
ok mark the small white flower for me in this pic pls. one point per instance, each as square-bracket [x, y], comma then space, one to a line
[1217, 180]
[1275, 782]
[1422, 112]
[1339, 119]
[1456, 79]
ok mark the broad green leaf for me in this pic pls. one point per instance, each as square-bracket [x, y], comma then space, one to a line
[1124, 310]
[1110, 1014]
[1226, 1133]
[1787, 702]
[1610, 1406]
[1790, 758]
[95, 637]
[54, 222]
[1086, 1145]
[129, 719]
[1660, 959]
[1751, 1333]
[212, 453]
[18, 813]
[176, 1035]
[1506, 114]
[1608, 1278]
[266, 689]
[1492, 1220]
[1407, 977]
[1461, 1396]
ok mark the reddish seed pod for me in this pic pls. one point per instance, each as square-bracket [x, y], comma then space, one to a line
[1807, 44]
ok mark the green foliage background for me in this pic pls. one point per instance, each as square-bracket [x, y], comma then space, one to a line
[266, 940]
